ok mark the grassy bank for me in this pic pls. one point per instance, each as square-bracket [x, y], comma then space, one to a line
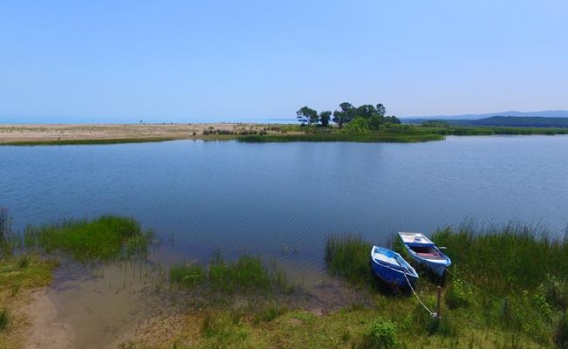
[29, 266]
[507, 289]
[400, 134]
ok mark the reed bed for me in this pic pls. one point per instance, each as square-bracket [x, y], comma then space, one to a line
[247, 273]
[104, 238]
[508, 279]
[348, 256]
[514, 257]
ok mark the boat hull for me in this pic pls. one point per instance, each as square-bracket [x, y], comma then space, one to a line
[391, 268]
[424, 252]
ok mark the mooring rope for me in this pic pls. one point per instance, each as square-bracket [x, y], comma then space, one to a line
[477, 288]
[432, 314]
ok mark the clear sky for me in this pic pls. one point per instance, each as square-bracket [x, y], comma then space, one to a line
[221, 60]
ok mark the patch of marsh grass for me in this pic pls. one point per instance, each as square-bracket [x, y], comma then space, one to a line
[521, 256]
[187, 275]
[103, 238]
[348, 256]
[247, 273]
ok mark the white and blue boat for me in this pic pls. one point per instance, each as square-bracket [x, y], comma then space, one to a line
[390, 267]
[425, 252]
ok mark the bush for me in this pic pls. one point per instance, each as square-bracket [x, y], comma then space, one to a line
[458, 295]
[381, 334]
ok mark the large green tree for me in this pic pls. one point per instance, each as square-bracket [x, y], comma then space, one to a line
[324, 118]
[307, 115]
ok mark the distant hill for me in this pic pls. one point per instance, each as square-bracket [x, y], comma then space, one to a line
[514, 121]
[546, 113]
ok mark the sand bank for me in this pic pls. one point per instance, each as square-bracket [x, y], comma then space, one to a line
[13, 133]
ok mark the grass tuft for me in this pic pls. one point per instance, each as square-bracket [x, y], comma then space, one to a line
[348, 256]
[381, 334]
[104, 238]
[247, 273]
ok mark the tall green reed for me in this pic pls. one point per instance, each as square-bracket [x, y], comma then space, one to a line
[106, 237]
[348, 256]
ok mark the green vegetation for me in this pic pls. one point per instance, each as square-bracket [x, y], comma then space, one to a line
[372, 117]
[507, 288]
[393, 133]
[348, 256]
[107, 237]
[248, 273]
[381, 334]
[18, 275]
[104, 238]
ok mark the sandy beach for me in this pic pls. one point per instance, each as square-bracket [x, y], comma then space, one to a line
[14, 133]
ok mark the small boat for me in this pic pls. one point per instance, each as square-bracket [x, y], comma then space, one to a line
[391, 268]
[425, 252]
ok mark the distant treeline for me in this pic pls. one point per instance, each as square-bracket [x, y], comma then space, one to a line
[504, 121]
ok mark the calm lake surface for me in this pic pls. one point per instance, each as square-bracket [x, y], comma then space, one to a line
[283, 200]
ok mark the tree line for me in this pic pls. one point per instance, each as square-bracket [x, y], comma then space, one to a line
[366, 116]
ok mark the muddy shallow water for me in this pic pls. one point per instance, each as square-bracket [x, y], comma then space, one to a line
[100, 304]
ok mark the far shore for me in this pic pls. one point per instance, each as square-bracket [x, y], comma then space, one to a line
[47, 133]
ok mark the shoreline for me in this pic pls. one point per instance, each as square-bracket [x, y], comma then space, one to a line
[14, 134]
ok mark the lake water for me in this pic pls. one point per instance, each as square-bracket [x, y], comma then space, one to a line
[283, 200]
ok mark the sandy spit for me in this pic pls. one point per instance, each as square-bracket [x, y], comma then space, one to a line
[10, 133]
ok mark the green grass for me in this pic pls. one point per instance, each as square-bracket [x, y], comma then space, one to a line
[103, 238]
[390, 136]
[522, 256]
[508, 282]
[348, 256]
[247, 273]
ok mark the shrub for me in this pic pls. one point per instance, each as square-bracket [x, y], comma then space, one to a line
[458, 295]
[381, 334]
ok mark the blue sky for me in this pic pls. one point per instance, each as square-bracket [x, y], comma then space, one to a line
[223, 60]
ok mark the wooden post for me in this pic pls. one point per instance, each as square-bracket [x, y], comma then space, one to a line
[438, 306]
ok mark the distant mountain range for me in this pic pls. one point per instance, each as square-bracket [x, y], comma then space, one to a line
[546, 113]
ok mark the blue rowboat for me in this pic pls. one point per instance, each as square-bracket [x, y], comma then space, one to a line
[425, 252]
[391, 268]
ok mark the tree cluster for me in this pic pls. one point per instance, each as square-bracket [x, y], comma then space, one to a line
[370, 116]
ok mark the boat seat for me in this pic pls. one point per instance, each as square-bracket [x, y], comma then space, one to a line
[430, 255]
